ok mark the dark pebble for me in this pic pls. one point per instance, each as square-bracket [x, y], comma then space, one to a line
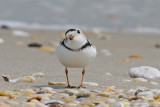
[36, 45]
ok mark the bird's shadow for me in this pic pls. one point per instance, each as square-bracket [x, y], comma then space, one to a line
[52, 86]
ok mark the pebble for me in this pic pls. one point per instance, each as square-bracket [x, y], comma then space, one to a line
[90, 84]
[38, 98]
[104, 94]
[83, 92]
[20, 33]
[29, 79]
[135, 56]
[13, 103]
[110, 89]
[56, 83]
[48, 90]
[1, 40]
[126, 80]
[35, 45]
[144, 72]
[7, 93]
[71, 91]
[109, 74]
[38, 74]
[154, 83]
[139, 80]
[110, 100]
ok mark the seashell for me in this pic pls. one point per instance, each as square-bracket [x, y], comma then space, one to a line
[38, 98]
[20, 33]
[90, 84]
[38, 74]
[104, 94]
[14, 103]
[29, 92]
[144, 72]
[56, 83]
[109, 74]
[139, 80]
[29, 79]
[110, 100]
[83, 92]
[47, 48]
[1, 40]
[7, 93]
[154, 83]
[34, 38]
[110, 89]
[135, 56]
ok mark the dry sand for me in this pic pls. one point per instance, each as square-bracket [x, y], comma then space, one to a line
[18, 61]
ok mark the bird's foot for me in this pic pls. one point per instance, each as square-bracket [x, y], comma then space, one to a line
[70, 86]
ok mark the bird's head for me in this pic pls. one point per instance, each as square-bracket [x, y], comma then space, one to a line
[75, 37]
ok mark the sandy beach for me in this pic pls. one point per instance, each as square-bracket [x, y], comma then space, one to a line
[114, 51]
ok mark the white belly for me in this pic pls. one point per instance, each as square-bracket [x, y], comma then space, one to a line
[74, 59]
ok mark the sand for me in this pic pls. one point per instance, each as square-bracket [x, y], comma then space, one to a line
[20, 60]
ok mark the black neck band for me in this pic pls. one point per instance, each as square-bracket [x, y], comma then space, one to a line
[83, 47]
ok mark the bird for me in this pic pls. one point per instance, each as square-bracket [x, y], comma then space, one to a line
[75, 51]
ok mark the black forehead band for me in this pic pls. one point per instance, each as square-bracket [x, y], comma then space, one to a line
[70, 30]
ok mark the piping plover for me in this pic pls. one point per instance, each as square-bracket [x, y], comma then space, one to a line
[75, 51]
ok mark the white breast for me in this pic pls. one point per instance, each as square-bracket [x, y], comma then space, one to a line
[72, 59]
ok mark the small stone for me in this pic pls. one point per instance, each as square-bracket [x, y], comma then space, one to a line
[121, 96]
[59, 96]
[54, 103]
[126, 80]
[4, 98]
[7, 93]
[34, 38]
[47, 90]
[109, 74]
[38, 74]
[56, 83]
[146, 94]
[29, 79]
[104, 94]
[1, 41]
[110, 100]
[35, 45]
[90, 84]
[29, 104]
[135, 56]
[96, 91]
[47, 49]
[71, 91]
[154, 83]
[157, 45]
[83, 92]
[29, 92]
[20, 33]
[38, 98]
[144, 72]
[139, 80]
[132, 90]
[14, 103]
[110, 89]
[61, 83]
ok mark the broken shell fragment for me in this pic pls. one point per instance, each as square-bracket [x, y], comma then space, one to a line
[56, 83]
[38, 98]
[29, 79]
[7, 93]
[38, 74]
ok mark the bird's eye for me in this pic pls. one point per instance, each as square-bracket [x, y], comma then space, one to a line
[78, 31]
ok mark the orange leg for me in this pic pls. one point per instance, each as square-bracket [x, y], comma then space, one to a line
[83, 72]
[67, 78]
